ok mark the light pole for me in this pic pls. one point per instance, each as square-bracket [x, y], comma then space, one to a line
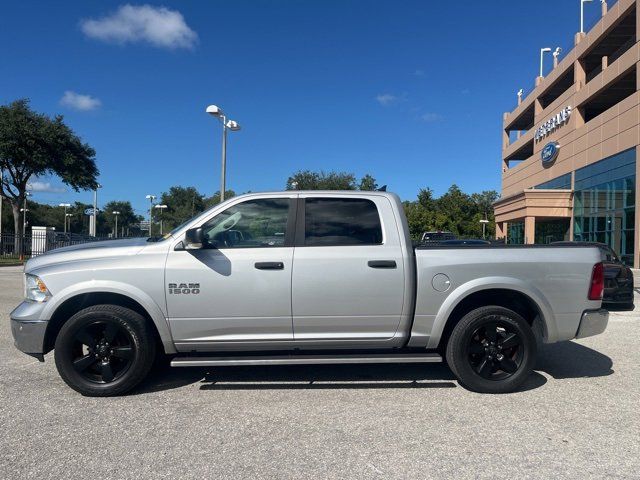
[161, 208]
[232, 125]
[24, 211]
[65, 205]
[68, 215]
[151, 198]
[115, 214]
[582, 2]
[484, 222]
[542, 52]
[95, 210]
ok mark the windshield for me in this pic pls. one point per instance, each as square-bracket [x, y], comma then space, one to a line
[161, 238]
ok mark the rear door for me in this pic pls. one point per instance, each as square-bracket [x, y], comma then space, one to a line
[348, 273]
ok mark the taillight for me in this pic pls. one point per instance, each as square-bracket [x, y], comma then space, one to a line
[597, 282]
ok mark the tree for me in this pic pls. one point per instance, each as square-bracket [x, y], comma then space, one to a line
[308, 180]
[32, 144]
[127, 218]
[78, 221]
[215, 198]
[182, 204]
[454, 211]
[368, 183]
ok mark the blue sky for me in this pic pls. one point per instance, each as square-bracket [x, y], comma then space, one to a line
[409, 91]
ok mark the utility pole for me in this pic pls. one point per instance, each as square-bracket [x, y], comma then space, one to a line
[65, 205]
[94, 231]
[151, 198]
[115, 231]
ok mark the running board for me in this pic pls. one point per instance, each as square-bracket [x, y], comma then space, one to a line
[305, 360]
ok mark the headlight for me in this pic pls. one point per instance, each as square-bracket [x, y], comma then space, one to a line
[35, 289]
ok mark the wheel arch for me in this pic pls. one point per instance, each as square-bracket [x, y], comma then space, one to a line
[74, 303]
[513, 294]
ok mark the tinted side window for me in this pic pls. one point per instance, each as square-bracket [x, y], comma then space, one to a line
[341, 221]
[251, 224]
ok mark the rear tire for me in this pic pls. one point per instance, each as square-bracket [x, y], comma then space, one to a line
[492, 350]
[104, 350]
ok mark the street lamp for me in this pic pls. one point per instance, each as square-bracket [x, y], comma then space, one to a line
[151, 198]
[232, 125]
[24, 211]
[65, 205]
[582, 2]
[542, 52]
[94, 228]
[484, 226]
[161, 208]
[115, 214]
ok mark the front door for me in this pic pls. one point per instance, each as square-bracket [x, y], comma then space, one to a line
[348, 277]
[237, 288]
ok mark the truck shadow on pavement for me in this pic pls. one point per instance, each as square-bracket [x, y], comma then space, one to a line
[560, 361]
[572, 360]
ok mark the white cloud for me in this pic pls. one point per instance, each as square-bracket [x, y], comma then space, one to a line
[44, 187]
[419, 73]
[78, 101]
[388, 99]
[431, 117]
[157, 26]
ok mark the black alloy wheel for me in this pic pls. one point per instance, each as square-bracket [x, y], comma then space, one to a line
[105, 350]
[495, 350]
[492, 349]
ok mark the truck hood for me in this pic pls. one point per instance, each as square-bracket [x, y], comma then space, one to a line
[87, 251]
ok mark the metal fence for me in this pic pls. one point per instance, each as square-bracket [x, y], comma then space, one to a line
[20, 247]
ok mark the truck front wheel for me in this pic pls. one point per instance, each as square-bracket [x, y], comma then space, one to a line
[104, 350]
[492, 350]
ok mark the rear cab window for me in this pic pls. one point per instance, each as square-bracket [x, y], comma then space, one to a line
[341, 222]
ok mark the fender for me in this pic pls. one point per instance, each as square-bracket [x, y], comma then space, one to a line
[488, 283]
[107, 286]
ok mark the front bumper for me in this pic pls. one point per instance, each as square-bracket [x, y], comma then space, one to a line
[28, 329]
[593, 322]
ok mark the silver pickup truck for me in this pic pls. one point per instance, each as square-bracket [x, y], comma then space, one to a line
[303, 278]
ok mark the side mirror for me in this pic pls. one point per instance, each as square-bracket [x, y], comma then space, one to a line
[194, 239]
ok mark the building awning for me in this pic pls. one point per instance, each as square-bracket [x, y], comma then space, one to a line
[534, 203]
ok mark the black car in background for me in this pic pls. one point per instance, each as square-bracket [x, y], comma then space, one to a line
[618, 278]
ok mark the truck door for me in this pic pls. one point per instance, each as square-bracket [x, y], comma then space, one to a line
[348, 270]
[237, 288]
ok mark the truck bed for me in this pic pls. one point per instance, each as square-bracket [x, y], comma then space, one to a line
[554, 278]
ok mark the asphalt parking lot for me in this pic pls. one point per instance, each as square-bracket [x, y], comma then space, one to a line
[577, 417]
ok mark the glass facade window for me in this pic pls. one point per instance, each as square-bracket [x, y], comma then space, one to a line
[604, 203]
[515, 235]
[552, 230]
[563, 182]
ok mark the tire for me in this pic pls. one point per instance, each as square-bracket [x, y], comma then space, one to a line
[104, 350]
[486, 362]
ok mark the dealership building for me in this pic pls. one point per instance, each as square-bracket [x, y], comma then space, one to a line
[570, 147]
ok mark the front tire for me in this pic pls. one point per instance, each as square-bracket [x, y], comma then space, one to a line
[104, 350]
[492, 350]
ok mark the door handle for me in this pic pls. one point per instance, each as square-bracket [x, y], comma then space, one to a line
[269, 265]
[382, 263]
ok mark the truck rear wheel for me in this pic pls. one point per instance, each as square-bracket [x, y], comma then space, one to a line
[492, 350]
[104, 350]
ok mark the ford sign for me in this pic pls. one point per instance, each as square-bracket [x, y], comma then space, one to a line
[550, 152]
